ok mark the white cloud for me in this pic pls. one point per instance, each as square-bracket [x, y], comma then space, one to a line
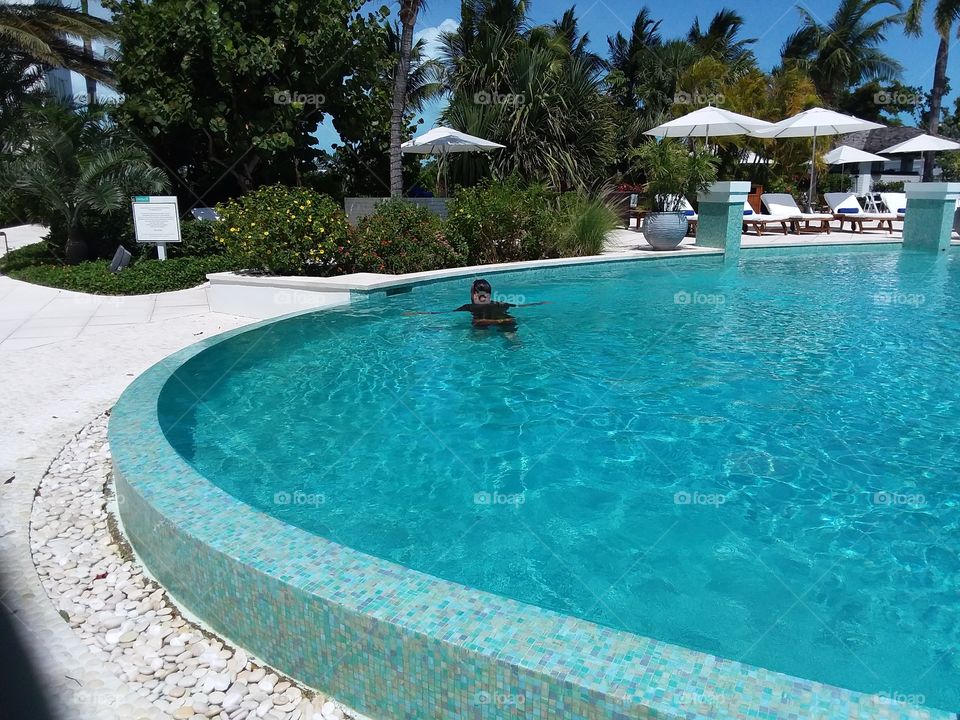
[431, 36]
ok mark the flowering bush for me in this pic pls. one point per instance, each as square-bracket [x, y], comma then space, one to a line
[401, 237]
[501, 221]
[286, 231]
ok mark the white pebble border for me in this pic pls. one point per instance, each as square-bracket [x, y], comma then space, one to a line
[129, 622]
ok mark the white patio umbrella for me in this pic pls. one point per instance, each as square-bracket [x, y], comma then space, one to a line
[923, 143]
[815, 123]
[443, 140]
[845, 155]
[709, 122]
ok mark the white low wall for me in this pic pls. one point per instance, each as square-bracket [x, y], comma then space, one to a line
[359, 207]
[245, 296]
[269, 296]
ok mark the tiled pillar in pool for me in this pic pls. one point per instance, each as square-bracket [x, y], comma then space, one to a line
[721, 216]
[928, 219]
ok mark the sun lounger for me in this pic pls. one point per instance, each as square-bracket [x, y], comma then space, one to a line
[759, 221]
[784, 204]
[846, 208]
[895, 202]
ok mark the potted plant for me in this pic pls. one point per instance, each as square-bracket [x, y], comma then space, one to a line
[673, 175]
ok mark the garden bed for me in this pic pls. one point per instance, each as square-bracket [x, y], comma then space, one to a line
[37, 264]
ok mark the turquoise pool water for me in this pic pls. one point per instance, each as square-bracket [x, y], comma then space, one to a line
[758, 461]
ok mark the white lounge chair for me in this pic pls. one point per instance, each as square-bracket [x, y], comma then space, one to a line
[895, 203]
[784, 204]
[759, 221]
[846, 208]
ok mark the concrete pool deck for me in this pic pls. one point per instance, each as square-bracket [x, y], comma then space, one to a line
[65, 357]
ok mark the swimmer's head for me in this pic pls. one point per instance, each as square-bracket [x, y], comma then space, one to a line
[480, 292]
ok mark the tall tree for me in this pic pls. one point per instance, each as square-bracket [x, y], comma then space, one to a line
[844, 51]
[409, 9]
[721, 40]
[90, 82]
[629, 55]
[228, 96]
[41, 33]
[945, 14]
[536, 90]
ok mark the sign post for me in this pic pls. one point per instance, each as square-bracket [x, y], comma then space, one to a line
[156, 219]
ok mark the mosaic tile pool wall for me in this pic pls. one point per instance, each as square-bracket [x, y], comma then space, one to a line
[395, 643]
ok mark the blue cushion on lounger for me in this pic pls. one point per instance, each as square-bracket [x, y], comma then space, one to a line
[689, 212]
[848, 211]
[902, 210]
[748, 212]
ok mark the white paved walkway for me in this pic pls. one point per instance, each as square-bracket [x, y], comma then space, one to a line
[66, 356]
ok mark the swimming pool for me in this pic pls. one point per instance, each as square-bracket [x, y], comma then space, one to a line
[755, 460]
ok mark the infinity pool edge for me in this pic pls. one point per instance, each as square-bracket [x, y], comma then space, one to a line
[394, 642]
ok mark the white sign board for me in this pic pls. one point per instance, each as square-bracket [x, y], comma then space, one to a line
[156, 219]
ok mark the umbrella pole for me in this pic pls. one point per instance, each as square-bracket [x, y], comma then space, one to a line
[813, 173]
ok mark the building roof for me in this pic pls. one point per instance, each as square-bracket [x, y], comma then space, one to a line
[873, 141]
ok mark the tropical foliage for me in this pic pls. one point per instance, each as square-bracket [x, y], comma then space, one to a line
[222, 103]
[227, 96]
[286, 231]
[40, 34]
[845, 51]
[71, 165]
[534, 90]
[401, 237]
[946, 14]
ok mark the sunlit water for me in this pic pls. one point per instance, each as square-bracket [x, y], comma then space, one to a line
[758, 461]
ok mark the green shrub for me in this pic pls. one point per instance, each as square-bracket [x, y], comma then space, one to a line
[35, 264]
[401, 237]
[285, 231]
[28, 256]
[197, 239]
[893, 187]
[581, 225]
[832, 182]
[501, 222]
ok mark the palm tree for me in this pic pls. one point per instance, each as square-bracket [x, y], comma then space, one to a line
[721, 41]
[41, 33]
[945, 14]
[409, 9]
[77, 163]
[844, 52]
[627, 57]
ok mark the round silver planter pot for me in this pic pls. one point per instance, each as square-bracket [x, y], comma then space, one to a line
[665, 230]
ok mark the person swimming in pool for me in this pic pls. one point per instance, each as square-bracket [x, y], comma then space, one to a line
[486, 312]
